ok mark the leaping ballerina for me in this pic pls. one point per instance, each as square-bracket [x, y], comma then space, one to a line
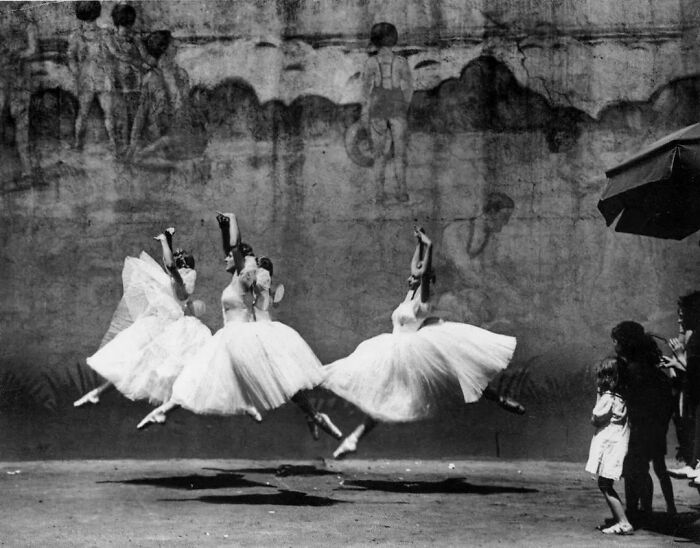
[401, 376]
[247, 366]
[154, 328]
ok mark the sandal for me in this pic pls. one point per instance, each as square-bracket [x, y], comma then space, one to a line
[619, 529]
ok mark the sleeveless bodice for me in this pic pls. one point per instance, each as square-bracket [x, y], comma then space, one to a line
[233, 303]
[409, 315]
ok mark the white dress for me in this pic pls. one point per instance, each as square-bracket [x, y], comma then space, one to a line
[611, 438]
[400, 376]
[246, 364]
[150, 336]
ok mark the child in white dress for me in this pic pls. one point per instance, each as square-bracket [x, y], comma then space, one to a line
[610, 441]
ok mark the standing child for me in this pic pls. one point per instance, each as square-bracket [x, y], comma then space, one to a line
[609, 443]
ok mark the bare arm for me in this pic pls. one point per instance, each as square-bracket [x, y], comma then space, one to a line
[406, 80]
[169, 262]
[368, 77]
[423, 267]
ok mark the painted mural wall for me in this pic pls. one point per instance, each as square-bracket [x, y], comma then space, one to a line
[505, 116]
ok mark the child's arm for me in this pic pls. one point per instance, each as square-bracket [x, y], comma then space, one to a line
[602, 412]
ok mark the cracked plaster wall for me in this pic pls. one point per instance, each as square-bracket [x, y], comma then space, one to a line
[532, 100]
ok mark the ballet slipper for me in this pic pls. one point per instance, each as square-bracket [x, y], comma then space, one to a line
[348, 446]
[154, 417]
[510, 405]
[325, 423]
[91, 397]
[254, 414]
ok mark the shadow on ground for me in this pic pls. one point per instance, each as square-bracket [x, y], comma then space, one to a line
[281, 498]
[450, 485]
[195, 481]
[283, 470]
[685, 525]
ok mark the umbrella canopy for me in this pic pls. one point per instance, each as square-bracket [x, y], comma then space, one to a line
[657, 191]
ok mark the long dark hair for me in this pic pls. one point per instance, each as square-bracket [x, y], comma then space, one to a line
[634, 345]
[610, 376]
[689, 307]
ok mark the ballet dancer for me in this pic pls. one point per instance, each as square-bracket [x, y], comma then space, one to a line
[247, 366]
[400, 376]
[153, 329]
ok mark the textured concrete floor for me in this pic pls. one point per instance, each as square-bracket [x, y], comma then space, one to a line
[295, 503]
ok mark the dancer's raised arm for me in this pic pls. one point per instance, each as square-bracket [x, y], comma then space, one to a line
[166, 239]
[421, 263]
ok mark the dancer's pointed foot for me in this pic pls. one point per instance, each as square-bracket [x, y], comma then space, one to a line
[254, 414]
[91, 397]
[348, 446]
[154, 417]
[325, 423]
[509, 404]
[313, 428]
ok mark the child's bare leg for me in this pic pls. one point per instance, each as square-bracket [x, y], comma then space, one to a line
[349, 444]
[613, 499]
[399, 134]
[84, 102]
[665, 481]
[157, 416]
[93, 396]
[108, 103]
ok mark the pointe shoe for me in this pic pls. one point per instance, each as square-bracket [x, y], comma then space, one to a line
[90, 397]
[348, 446]
[254, 414]
[325, 423]
[152, 418]
[313, 428]
[510, 405]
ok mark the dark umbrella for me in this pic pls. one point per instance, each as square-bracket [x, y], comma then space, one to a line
[657, 191]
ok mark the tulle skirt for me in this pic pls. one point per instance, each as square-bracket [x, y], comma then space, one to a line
[244, 365]
[149, 338]
[144, 360]
[401, 377]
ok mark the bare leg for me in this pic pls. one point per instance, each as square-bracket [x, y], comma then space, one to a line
[84, 102]
[107, 102]
[505, 402]
[381, 143]
[93, 396]
[157, 416]
[321, 419]
[665, 482]
[349, 444]
[19, 109]
[614, 502]
[399, 134]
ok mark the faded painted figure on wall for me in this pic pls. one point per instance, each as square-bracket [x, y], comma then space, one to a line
[91, 65]
[464, 243]
[387, 91]
[167, 127]
[17, 49]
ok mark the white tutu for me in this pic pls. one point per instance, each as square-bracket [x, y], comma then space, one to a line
[143, 358]
[399, 377]
[244, 365]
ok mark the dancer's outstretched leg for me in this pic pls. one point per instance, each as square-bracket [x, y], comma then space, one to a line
[313, 416]
[504, 402]
[93, 396]
[349, 444]
[158, 415]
